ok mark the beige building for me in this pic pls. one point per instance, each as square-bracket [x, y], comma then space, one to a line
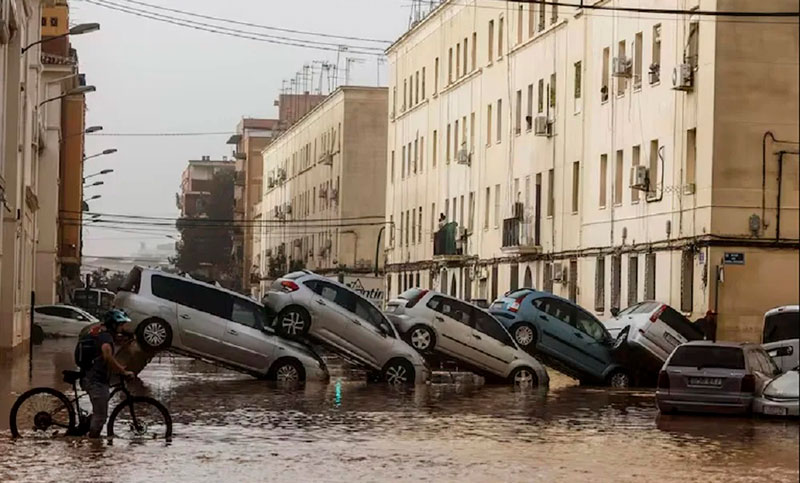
[325, 183]
[606, 157]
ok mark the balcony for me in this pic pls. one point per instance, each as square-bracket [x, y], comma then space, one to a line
[447, 243]
[519, 236]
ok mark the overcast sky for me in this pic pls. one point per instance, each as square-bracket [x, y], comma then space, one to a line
[157, 77]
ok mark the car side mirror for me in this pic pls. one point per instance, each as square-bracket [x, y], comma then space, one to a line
[614, 311]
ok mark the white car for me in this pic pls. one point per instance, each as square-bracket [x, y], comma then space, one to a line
[207, 322]
[62, 320]
[651, 330]
[780, 396]
[432, 321]
[781, 338]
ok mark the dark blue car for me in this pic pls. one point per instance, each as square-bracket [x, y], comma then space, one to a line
[562, 333]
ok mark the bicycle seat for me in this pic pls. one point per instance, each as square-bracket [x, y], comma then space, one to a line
[70, 377]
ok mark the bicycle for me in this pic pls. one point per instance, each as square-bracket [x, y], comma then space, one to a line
[51, 412]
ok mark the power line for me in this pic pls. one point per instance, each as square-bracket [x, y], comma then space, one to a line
[265, 27]
[230, 32]
[165, 134]
[215, 220]
[708, 13]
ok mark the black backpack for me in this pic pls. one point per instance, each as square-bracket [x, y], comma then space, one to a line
[86, 352]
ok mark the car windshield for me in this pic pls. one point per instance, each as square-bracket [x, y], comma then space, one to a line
[680, 324]
[782, 326]
[411, 294]
[708, 356]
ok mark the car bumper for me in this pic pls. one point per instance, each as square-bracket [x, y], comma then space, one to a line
[703, 404]
[770, 407]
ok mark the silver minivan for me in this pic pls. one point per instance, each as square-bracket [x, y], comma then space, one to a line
[201, 320]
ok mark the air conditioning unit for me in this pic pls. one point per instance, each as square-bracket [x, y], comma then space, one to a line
[327, 159]
[654, 73]
[464, 157]
[270, 182]
[541, 126]
[483, 273]
[623, 67]
[281, 174]
[639, 177]
[288, 209]
[334, 194]
[683, 77]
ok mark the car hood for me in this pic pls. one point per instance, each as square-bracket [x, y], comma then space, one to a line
[784, 386]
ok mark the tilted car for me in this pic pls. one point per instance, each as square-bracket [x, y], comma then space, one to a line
[781, 338]
[431, 321]
[781, 396]
[562, 334]
[61, 320]
[714, 377]
[311, 306]
[648, 332]
[209, 322]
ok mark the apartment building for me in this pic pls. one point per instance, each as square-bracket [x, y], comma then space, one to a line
[606, 157]
[196, 185]
[325, 185]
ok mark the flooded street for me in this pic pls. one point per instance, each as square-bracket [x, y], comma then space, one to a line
[235, 428]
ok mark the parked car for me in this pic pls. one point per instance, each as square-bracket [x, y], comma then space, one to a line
[431, 321]
[717, 377]
[563, 334]
[204, 321]
[780, 396]
[322, 309]
[61, 320]
[781, 338]
[96, 301]
[648, 332]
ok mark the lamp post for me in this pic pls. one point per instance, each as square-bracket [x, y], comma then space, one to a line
[96, 183]
[103, 153]
[71, 92]
[79, 29]
[100, 173]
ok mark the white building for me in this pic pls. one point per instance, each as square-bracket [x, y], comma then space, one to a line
[608, 157]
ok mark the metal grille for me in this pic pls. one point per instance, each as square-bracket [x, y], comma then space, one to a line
[600, 285]
[514, 282]
[650, 276]
[687, 280]
[616, 280]
[633, 279]
[573, 280]
[548, 277]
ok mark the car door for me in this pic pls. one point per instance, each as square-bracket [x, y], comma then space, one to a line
[334, 317]
[74, 321]
[203, 314]
[558, 337]
[371, 333]
[246, 344]
[593, 342]
[492, 342]
[45, 317]
[453, 326]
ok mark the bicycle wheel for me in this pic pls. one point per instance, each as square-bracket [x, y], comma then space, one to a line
[42, 412]
[140, 418]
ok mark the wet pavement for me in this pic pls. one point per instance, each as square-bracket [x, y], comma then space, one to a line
[235, 428]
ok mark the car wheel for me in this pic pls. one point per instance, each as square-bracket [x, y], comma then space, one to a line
[619, 379]
[287, 371]
[154, 335]
[421, 338]
[523, 377]
[621, 340]
[524, 335]
[398, 372]
[293, 322]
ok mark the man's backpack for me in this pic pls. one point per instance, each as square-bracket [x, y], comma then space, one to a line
[86, 351]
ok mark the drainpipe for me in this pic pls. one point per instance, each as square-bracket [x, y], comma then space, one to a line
[378, 248]
[778, 204]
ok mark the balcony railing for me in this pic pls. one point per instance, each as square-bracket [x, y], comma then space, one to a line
[519, 235]
[445, 241]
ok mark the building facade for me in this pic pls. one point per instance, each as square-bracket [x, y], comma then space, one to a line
[606, 157]
[323, 207]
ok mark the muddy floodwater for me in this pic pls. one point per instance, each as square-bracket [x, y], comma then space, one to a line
[229, 427]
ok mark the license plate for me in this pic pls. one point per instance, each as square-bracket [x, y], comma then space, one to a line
[775, 411]
[671, 340]
[705, 381]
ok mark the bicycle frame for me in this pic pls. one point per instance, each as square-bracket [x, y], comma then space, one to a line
[116, 388]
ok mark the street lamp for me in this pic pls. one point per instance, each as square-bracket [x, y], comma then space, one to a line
[105, 171]
[103, 153]
[91, 129]
[96, 183]
[79, 29]
[71, 92]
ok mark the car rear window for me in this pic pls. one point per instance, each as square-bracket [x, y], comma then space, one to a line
[782, 326]
[132, 281]
[708, 356]
[641, 308]
[518, 293]
[294, 275]
[410, 294]
[680, 324]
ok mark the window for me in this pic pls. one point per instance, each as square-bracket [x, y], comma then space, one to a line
[191, 295]
[553, 89]
[518, 120]
[531, 19]
[589, 325]
[419, 227]
[555, 308]
[247, 313]
[653, 173]
[637, 61]
[491, 41]
[486, 200]
[435, 147]
[466, 44]
[447, 208]
[541, 15]
[455, 140]
[453, 309]
[403, 161]
[577, 86]
[471, 222]
[486, 324]
[520, 20]
[547, 277]
[409, 230]
[450, 66]
[391, 231]
[781, 326]
[576, 178]
[635, 161]
[496, 205]
[540, 104]
[44, 24]
[691, 160]
[433, 218]
[472, 132]
[500, 37]
[458, 60]
[529, 116]
[416, 87]
[687, 280]
[410, 157]
[413, 229]
[499, 120]
[489, 124]
[421, 153]
[600, 284]
[655, 66]
[604, 80]
[474, 50]
[436, 75]
[54, 21]
[335, 294]
[616, 281]
[603, 179]
[391, 167]
[367, 312]
[650, 276]
[554, 14]
[405, 97]
[416, 154]
[692, 47]
[461, 211]
[618, 178]
[708, 356]
[423, 83]
[551, 198]
[633, 279]
[447, 146]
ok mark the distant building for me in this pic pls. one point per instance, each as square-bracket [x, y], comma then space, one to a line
[196, 184]
[292, 107]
